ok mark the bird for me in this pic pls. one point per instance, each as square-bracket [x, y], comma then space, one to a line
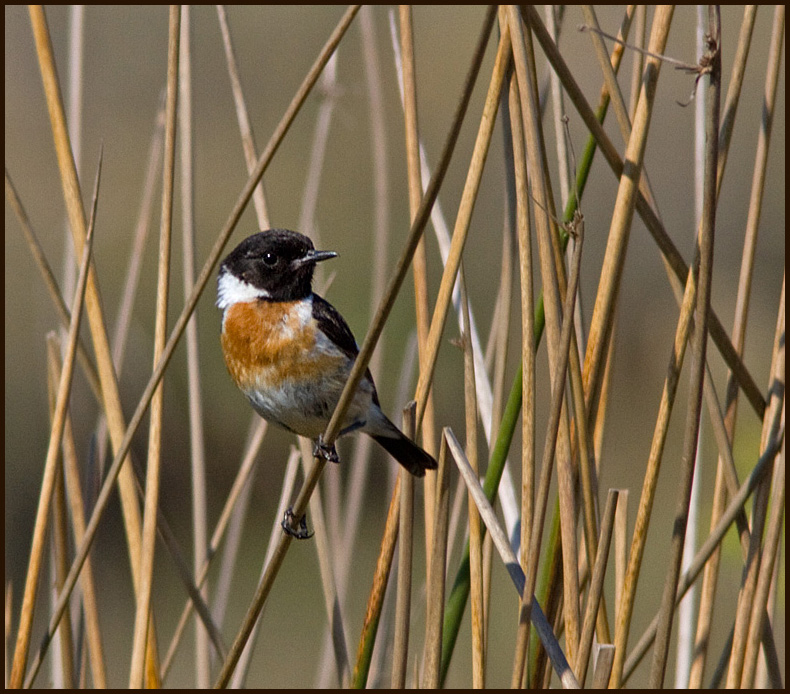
[290, 351]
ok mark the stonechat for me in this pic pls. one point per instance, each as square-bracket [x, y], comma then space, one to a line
[290, 351]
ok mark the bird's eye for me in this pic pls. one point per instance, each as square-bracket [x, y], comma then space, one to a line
[270, 258]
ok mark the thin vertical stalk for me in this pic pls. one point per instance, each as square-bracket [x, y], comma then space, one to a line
[475, 533]
[243, 117]
[143, 615]
[63, 653]
[196, 439]
[420, 263]
[432, 660]
[400, 646]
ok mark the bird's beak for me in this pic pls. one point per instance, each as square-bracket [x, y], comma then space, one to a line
[313, 257]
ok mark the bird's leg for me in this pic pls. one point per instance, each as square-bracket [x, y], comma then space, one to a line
[287, 525]
[322, 450]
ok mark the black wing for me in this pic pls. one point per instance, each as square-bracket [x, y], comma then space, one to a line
[334, 326]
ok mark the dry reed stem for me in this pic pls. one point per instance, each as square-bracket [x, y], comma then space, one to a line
[550, 444]
[50, 473]
[640, 27]
[648, 215]
[760, 505]
[50, 282]
[143, 614]
[432, 654]
[400, 645]
[63, 653]
[620, 549]
[550, 262]
[500, 540]
[596, 585]
[367, 638]
[420, 263]
[528, 346]
[87, 582]
[734, 508]
[243, 117]
[475, 532]
[758, 617]
[698, 346]
[196, 435]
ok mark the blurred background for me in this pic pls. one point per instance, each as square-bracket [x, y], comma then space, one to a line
[124, 66]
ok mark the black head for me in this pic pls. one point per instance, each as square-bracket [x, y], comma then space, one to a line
[276, 265]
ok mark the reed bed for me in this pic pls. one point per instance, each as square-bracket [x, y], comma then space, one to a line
[558, 338]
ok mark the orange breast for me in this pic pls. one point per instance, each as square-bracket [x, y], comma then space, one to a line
[265, 342]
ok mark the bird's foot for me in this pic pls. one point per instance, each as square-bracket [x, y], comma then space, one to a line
[322, 450]
[302, 533]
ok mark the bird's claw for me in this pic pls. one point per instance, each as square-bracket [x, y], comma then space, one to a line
[287, 525]
[322, 450]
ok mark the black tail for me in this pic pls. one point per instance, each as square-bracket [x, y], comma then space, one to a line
[407, 453]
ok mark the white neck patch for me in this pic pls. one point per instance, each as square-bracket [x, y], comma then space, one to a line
[231, 290]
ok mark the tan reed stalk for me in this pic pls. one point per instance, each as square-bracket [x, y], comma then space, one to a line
[420, 263]
[144, 614]
[87, 582]
[243, 117]
[500, 540]
[759, 508]
[550, 444]
[76, 214]
[50, 282]
[734, 508]
[400, 646]
[648, 215]
[63, 660]
[196, 434]
[367, 638]
[475, 533]
[758, 616]
[528, 346]
[432, 653]
[620, 549]
[50, 472]
[596, 585]
[523, 59]
[134, 423]
[640, 27]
